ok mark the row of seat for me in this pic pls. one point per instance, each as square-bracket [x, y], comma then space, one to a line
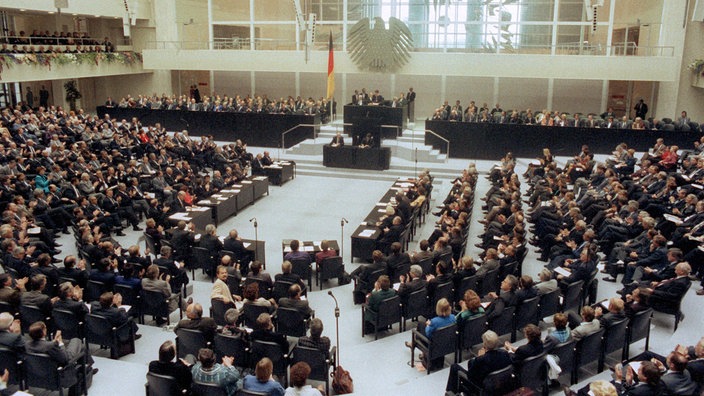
[247, 353]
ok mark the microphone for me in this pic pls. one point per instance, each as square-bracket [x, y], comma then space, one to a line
[345, 220]
[252, 219]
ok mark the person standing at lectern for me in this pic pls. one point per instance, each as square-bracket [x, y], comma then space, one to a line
[368, 141]
[338, 140]
[411, 100]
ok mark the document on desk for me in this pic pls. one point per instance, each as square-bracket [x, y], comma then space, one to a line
[308, 248]
[246, 182]
[563, 271]
[259, 178]
[367, 233]
[672, 218]
[246, 244]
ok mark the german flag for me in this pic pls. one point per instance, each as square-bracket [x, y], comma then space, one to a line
[331, 70]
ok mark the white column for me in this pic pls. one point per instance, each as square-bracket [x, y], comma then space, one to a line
[672, 33]
[551, 84]
[604, 94]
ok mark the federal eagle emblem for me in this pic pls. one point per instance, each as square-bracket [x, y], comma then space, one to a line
[377, 49]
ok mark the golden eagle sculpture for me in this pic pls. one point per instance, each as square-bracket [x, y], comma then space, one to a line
[377, 49]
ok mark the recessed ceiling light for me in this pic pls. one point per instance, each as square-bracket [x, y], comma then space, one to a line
[97, 16]
[74, 14]
[22, 9]
[51, 12]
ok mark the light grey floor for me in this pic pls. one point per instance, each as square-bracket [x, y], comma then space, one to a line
[310, 208]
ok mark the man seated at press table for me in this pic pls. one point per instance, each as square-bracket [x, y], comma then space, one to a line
[338, 140]
[367, 141]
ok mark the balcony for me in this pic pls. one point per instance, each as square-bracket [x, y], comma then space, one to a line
[56, 66]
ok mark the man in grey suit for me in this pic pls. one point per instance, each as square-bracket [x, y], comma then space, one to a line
[677, 379]
[588, 326]
[60, 352]
[10, 336]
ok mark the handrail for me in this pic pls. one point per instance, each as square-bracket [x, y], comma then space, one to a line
[396, 127]
[283, 135]
[443, 139]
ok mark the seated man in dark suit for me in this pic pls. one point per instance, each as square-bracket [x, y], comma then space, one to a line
[175, 269]
[490, 358]
[287, 276]
[411, 283]
[70, 299]
[234, 244]
[695, 356]
[397, 261]
[75, 270]
[195, 321]
[363, 274]
[183, 239]
[534, 347]
[671, 290]
[265, 332]
[9, 293]
[294, 301]
[167, 366]
[108, 307]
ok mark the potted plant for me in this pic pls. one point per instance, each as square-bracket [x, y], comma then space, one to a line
[697, 67]
[72, 93]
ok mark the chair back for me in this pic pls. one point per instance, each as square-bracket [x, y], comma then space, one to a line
[549, 304]
[442, 290]
[232, 345]
[154, 304]
[217, 311]
[572, 301]
[205, 389]
[427, 265]
[638, 329]
[533, 373]
[130, 296]
[13, 363]
[443, 341]
[615, 336]
[389, 312]
[499, 382]
[46, 373]
[189, 341]
[271, 350]
[330, 268]
[508, 269]
[445, 257]
[302, 268]
[7, 307]
[264, 289]
[417, 304]
[490, 282]
[589, 348]
[151, 245]
[233, 284]
[202, 259]
[30, 314]
[467, 283]
[280, 289]
[527, 313]
[567, 352]
[161, 385]
[471, 331]
[374, 276]
[317, 360]
[93, 290]
[98, 330]
[290, 322]
[503, 324]
[251, 312]
[68, 323]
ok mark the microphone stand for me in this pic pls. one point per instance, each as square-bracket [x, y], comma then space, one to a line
[342, 236]
[337, 327]
[256, 239]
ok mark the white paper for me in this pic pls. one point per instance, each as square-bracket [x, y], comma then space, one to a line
[563, 271]
[367, 233]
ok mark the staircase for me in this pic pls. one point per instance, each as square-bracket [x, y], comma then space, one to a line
[409, 155]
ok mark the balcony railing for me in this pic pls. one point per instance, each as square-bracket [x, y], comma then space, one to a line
[235, 43]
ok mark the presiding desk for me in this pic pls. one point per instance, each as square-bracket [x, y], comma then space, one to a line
[357, 158]
[200, 216]
[377, 115]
